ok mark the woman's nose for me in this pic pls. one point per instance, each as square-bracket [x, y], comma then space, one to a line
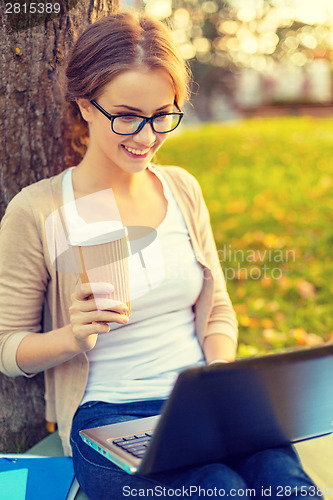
[146, 136]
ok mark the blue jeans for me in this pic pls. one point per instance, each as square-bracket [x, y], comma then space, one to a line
[275, 473]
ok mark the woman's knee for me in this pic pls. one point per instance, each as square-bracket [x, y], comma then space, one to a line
[218, 476]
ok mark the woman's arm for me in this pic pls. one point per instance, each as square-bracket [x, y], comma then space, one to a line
[218, 347]
[88, 318]
[24, 282]
[221, 335]
[38, 352]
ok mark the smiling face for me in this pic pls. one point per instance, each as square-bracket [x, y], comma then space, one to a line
[139, 92]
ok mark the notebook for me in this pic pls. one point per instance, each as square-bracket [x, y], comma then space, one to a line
[227, 410]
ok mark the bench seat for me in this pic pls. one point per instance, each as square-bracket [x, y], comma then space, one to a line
[317, 459]
[51, 446]
[316, 456]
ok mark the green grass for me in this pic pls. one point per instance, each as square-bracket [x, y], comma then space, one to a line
[268, 184]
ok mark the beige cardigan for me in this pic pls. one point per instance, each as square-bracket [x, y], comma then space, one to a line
[34, 297]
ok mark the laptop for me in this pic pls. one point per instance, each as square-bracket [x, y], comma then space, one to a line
[228, 410]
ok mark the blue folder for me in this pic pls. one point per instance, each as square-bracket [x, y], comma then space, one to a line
[46, 478]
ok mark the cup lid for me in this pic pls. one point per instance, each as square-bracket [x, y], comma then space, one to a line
[97, 233]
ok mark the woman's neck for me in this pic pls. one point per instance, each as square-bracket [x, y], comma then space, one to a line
[95, 174]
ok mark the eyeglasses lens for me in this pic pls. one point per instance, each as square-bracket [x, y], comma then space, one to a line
[166, 123]
[129, 124]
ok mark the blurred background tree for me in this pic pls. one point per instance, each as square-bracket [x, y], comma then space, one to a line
[33, 145]
[250, 53]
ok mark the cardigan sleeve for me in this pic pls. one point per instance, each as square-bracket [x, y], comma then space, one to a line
[23, 280]
[222, 317]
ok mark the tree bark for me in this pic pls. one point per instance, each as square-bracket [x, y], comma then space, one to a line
[34, 144]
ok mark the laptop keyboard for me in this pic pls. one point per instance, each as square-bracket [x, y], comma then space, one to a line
[135, 444]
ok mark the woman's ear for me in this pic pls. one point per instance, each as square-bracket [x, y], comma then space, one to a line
[86, 108]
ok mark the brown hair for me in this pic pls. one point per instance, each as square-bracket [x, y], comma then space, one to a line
[112, 45]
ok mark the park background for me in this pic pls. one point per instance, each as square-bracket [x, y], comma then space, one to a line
[257, 135]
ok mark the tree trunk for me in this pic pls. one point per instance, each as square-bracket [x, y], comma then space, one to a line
[33, 145]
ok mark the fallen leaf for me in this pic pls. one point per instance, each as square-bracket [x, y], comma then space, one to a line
[240, 308]
[280, 316]
[304, 338]
[245, 350]
[244, 320]
[299, 334]
[236, 206]
[267, 323]
[284, 282]
[272, 336]
[267, 281]
[305, 289]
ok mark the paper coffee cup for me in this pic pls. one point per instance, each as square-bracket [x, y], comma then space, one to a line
[101, 254]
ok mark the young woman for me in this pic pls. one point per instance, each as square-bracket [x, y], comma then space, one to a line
[126, 83]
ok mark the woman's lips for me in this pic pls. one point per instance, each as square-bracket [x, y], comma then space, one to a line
[136, 153]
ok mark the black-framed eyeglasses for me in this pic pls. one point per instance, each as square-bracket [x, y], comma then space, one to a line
[130, 124]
